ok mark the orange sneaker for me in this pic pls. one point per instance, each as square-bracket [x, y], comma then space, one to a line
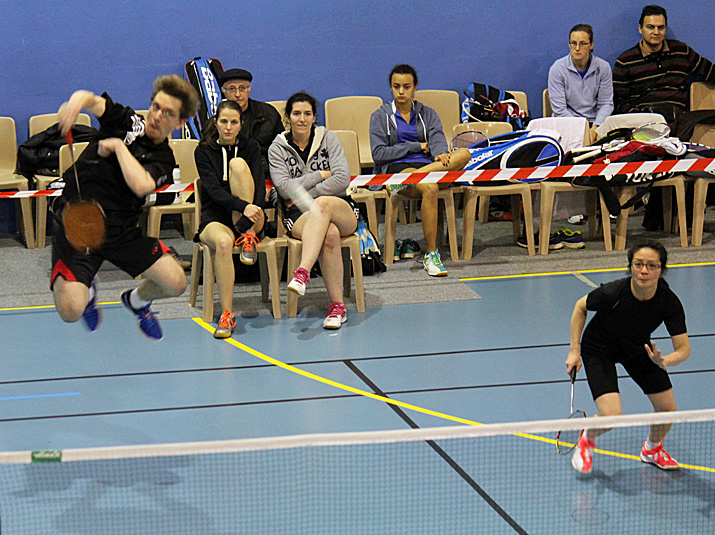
[226, 325]
[249, 248]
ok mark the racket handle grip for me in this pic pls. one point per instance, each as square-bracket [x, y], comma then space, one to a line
[68, 137]
[573, 373]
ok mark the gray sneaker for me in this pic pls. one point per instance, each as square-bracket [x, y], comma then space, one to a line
[433, 265]
[249, 248]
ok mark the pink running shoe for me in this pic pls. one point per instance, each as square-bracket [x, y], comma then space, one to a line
[659, 458]
[582, 458]
[337, 315]
[301, 278]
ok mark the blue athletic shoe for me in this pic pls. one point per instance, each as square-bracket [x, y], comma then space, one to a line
[92, 315]
[146, 319]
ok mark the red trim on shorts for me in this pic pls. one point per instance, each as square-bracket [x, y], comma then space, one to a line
[164, 248]
[60, 268]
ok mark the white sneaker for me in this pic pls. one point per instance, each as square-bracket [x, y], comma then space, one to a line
[582, 458]
[433, 265]
[337, 315]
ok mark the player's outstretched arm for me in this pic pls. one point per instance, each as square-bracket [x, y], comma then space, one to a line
[578, 321]
[80, 100]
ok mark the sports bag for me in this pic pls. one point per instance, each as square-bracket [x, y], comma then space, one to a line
[486, 103]
[515, 149]
[369, 251]
[41, 153]
[203, 74]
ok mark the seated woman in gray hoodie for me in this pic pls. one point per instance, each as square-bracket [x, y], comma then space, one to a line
[310, 173]
[406, 135]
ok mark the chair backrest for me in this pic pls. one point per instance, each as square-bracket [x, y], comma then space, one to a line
[445, 103]
[40, 123]
[702, 96]
[489, 129]
[348, 139]
[521, 100]
[353, 113]
[8, 145]
[280, 106]
[546, 104]
[184, 155]
[66, 157]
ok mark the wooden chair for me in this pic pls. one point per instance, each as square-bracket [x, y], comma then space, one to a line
[521, 100]
[184, 155]
[41, 208]
[269, 267]
[351, 256]
[548, 190]
[702, 96]
[546, 104]
[353, 113]
[445, 103]
[40, 123]
[10, 180]
[348, 140]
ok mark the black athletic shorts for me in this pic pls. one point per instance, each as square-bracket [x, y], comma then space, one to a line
[127, 248]
[603, 377]
[293, 213]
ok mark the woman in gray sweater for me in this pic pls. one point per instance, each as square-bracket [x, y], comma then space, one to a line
[310, 173]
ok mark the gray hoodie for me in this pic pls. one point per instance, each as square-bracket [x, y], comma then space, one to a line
[383, 135]
[326, 154]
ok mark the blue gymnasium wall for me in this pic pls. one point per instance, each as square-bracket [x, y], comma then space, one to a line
[329, 48]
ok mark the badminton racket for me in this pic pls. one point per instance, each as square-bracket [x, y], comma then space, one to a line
[566, 440]
[83, 220]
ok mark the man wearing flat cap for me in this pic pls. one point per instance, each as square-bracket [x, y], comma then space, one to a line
[261, 121]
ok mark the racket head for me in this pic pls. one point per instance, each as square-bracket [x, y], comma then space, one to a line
[466, 139]
[566, 440]
[84, 224]
[651, 132]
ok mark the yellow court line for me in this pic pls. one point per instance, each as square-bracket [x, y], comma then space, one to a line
[41, 307]
[552, 273]
[395, 402]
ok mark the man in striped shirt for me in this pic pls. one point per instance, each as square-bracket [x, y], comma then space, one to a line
[655, 75]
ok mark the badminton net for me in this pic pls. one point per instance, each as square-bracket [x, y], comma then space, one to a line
[491, 479]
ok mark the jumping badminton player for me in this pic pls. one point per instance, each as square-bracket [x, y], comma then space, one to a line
[627, 312]
[130, 158]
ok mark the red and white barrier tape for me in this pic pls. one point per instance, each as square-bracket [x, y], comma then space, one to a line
[523, 174]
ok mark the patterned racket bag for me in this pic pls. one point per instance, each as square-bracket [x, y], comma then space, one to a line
[515, 149]
[203, 74]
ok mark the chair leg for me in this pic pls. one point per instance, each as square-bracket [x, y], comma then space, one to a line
[605, 224]
[27, 222]
[40, 222]
[196, 262]
[153, 224]
[701, 190]
[357, 275]
[622, 220]
[528, 220]
[208, 315]
[451, 215]
[483, 208]
[347, 272]
[270, 276]
[187, 221]
[468, 219]
[682, 221]
[667, 209]
[547, 212]
[392, 209]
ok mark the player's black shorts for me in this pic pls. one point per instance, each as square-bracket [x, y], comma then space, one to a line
[603, 377]
[127, 248]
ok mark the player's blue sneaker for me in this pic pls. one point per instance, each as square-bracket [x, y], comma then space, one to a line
[92, 315]
[146, 319]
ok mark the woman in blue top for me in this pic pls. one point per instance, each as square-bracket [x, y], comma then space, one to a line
[406, 135]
